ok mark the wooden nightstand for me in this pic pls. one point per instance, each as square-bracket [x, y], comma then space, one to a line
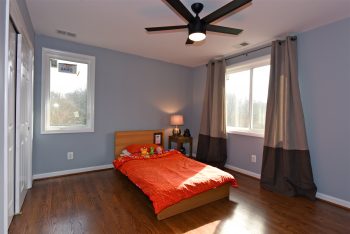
[180, 140]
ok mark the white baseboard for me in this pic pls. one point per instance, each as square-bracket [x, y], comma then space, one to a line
[333, 200]
[246, 172]
[320, 196]
[72, 171]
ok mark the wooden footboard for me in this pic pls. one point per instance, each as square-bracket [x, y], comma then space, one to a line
[196, 201]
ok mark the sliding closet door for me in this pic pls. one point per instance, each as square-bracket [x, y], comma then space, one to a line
[30, 109]
[11, 83]
[23, 121]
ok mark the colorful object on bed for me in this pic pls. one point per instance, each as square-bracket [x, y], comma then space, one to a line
[136, 148]
[171, 177]
[159, 150]
[144, 151]
[125, 153]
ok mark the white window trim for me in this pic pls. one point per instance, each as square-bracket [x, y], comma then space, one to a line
[244, 131]
[256, 62]
[247, 65]
[45, 91]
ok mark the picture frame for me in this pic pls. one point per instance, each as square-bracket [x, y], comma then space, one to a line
[158, 138]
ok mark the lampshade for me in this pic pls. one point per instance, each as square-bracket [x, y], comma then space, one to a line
[177, 120]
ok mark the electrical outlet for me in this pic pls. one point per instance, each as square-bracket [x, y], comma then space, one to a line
[253, 158]
[70, 155]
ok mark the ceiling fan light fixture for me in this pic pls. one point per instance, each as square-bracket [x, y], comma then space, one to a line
[197, 36]
[198, 27]
[196, 30]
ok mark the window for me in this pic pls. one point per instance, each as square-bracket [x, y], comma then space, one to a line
[67, 98]
[246, 97]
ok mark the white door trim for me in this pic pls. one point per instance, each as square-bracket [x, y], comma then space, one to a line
[19, 140]
[4, 32]
[24, 113]
[18, 20]
[31, 120]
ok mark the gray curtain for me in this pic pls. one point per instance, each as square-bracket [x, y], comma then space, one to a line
[286, 166]
[212, 135]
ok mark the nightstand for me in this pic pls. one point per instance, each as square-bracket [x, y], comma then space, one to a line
[180, 140]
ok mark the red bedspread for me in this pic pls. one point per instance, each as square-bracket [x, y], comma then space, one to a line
[171, 177]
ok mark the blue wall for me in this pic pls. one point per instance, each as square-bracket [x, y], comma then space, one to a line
[131, 93]
[324, 74]
[239, 150]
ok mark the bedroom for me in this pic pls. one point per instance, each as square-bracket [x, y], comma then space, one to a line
[123, 79]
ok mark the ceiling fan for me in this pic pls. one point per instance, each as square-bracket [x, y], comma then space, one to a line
[196, 26]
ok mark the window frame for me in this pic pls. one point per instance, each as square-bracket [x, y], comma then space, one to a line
[238, 67]
[48, 54]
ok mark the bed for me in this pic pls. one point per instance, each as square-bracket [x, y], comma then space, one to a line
[126, 138]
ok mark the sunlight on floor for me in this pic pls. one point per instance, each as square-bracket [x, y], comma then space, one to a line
[242, 221]
[206, 229]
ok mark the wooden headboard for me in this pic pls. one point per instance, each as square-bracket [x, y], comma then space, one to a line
[125, 138]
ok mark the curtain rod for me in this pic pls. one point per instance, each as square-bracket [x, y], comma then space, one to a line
[246, 53]
[293, 38]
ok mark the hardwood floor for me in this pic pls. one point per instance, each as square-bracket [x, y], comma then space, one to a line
[107, 202]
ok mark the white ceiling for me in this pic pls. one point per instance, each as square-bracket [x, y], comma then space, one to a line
[119, 25]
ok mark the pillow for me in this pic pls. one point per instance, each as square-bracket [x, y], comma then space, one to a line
[136, 148]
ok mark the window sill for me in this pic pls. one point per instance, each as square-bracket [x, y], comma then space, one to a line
[58, 131]
[244, 133]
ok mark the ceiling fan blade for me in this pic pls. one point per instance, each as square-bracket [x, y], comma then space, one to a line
[221, 29]
[229, 7]
[189, 42]
[152, 29]
[181, 9]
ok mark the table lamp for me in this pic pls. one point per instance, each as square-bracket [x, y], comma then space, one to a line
[176, 120]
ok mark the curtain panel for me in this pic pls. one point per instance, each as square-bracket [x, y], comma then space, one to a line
[286, 166]
[212, 135]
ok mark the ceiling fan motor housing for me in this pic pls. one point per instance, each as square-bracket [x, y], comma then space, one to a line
[197, 26]
[197, 7]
